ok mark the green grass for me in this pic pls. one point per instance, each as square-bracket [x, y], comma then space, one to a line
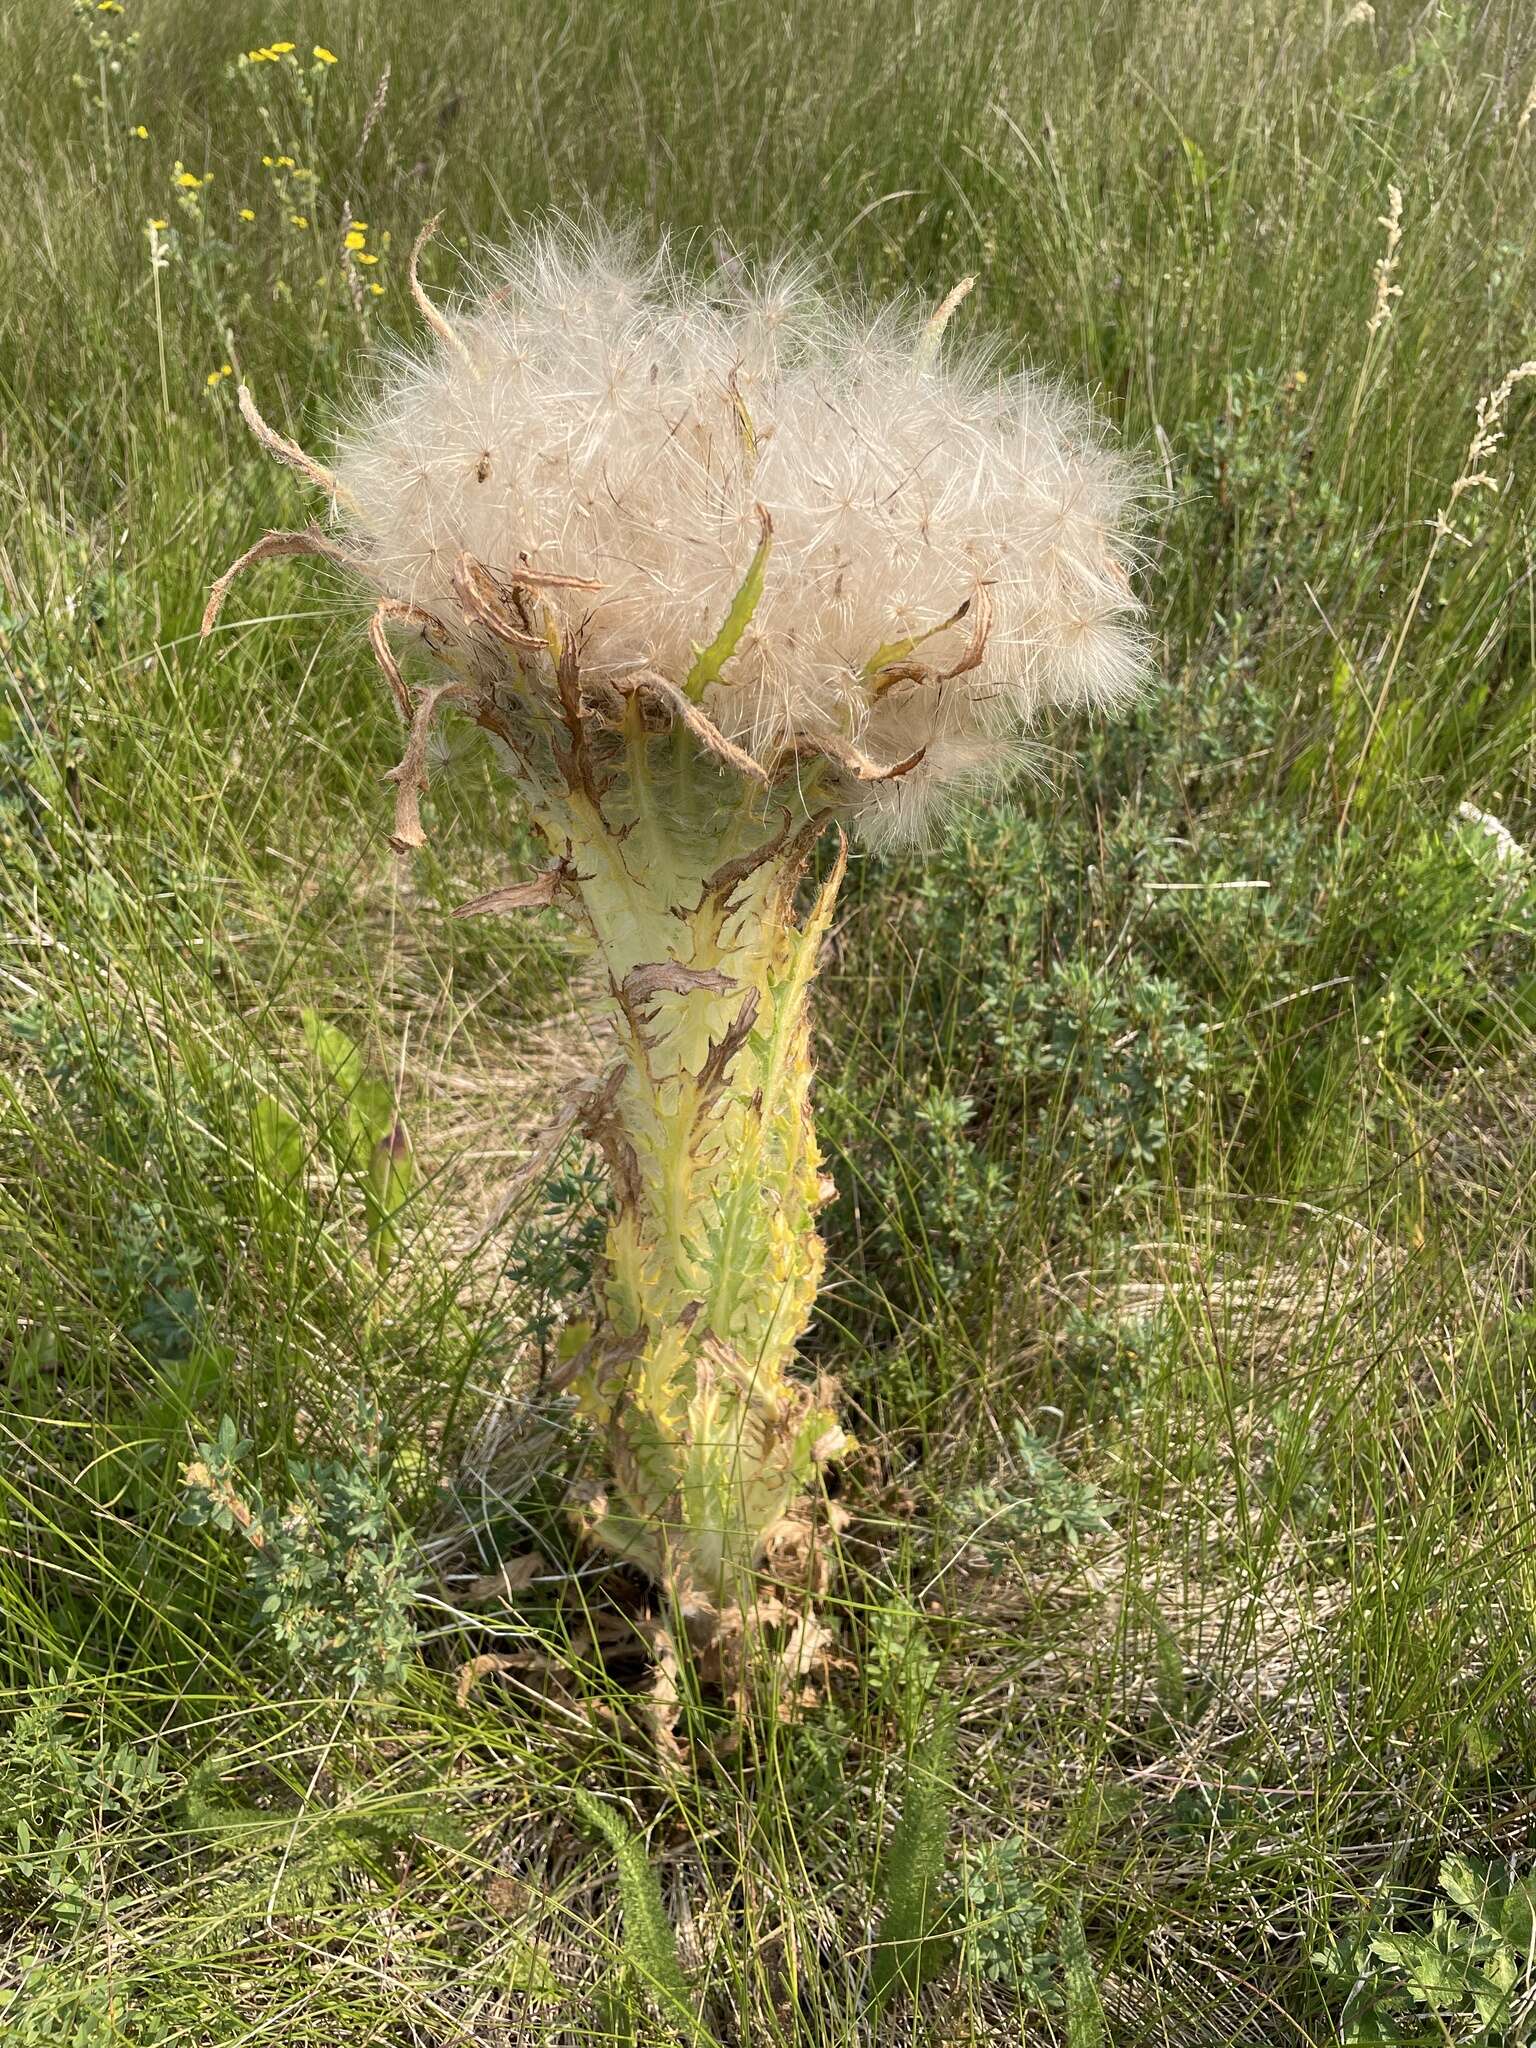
[1181, 1110]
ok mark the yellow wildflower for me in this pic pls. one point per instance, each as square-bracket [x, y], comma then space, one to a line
[299, 220]
[142, 132]
[217, 376]
[109, 6]
[377, 290]
[246, 213]
[159, 226]
[355, 239]
[281, 49]
[285, 163]
[365, 258]
[325, 56]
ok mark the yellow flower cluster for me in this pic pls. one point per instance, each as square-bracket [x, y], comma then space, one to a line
[273, 53]
[189, 181]
[355, 242]
[216, 377]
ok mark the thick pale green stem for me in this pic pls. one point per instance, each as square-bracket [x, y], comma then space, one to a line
[687, 882]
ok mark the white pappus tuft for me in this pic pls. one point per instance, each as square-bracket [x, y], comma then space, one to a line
[950, 548]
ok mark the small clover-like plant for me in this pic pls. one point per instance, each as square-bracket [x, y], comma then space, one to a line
[1038, 1500]
[1004, 1923]
[66, 1802]
[334, 1579]
[1469, 1976]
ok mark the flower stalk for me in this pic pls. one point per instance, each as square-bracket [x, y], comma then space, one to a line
[682, 873]
[713, 1258]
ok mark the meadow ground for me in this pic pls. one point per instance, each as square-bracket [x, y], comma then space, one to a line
[1181, 1109]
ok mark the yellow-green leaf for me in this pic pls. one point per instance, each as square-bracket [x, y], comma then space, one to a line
[892, 651]
[708, 661]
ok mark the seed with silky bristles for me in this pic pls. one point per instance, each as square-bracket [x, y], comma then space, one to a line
[601, 413]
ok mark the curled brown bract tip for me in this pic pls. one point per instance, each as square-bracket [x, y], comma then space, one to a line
[493, 599]
[395, 610]
[703, 729]
[978, 610]
[290, 452]
[981, 630]
[486, 601]
[383, 654]
[844, 754]
[524, 578]
[439, 325]
[538, 893]
[271, 545]
[410, 777]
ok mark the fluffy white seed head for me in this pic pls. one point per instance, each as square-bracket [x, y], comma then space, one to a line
[605, 413]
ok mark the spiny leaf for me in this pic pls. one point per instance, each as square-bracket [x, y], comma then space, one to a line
[708, 661]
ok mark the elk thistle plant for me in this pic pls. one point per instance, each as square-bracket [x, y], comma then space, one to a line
[717, 566]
